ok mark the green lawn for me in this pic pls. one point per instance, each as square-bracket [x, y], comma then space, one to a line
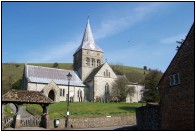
[87, 109]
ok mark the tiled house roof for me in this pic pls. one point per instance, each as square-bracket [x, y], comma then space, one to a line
[25, 96]
[40, 74]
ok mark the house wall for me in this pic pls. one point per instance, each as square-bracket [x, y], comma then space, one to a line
[178, 102]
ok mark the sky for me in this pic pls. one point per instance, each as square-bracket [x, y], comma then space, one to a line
[134, 34]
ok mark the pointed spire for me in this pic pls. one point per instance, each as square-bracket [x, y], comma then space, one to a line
[88, 36]
[88, 40]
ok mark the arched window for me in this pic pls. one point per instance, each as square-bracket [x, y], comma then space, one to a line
[98, 62]
[87, 61]
[63, 92]
[80, 95]
[60, 92]
[107, 91]
[109, 74]
[104, 73]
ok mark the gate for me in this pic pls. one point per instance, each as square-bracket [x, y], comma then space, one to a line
[9, 121]
[30, 121]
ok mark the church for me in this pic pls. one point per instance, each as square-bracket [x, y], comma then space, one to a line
[91, 80]
[91, 77]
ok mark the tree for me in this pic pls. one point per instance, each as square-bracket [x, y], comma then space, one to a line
[120, 89]
[151, 81]
[145, 68]
[55, 65]
[179, 44]
[134, 76]
[17, 85]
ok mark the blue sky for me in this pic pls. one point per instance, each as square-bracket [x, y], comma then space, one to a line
[130, 33]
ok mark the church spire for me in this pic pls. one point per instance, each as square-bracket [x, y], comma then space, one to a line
[88, 40]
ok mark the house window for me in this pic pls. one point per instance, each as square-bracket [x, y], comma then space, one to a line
[174, 80]
[104, 73]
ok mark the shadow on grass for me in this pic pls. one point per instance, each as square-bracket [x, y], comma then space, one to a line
[128, 108]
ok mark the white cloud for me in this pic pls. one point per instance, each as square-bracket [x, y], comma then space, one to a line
[56, 52]
[173, 39]
[127, 18]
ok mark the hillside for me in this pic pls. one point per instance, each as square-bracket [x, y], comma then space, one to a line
[12, 73]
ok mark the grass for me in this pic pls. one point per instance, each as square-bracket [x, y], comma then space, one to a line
[86, 109]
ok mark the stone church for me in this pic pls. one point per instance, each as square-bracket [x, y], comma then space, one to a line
[91, 77]
[91, 80]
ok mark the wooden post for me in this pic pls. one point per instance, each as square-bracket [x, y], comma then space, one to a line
[45, 116]
[17, 118]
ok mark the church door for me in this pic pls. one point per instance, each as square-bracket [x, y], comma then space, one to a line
[51, 95]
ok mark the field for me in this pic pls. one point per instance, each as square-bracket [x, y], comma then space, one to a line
[86, 109]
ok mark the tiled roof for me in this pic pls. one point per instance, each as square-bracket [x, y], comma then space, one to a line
[46, 75]
[25, 96]
[88, 40]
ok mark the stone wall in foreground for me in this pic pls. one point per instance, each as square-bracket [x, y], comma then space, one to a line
[96, 122]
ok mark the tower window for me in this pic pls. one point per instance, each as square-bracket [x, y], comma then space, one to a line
[87, 61]
[98, 62]
[93, 61]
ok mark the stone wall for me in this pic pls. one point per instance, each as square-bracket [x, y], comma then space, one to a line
[148, 117]
[96, 122]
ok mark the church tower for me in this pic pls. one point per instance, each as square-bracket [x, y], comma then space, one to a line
[88, 55]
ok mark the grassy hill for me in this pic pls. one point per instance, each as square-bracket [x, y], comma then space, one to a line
[12, 73]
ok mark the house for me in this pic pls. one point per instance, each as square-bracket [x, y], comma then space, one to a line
[177, 88]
